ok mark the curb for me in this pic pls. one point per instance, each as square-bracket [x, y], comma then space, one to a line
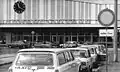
[5, 63]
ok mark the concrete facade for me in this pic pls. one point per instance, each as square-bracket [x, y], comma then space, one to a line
[67, 15]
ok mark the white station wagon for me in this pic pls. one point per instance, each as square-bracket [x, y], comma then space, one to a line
[83, 54]
[100, 51]
[93, 52]
[45, 60]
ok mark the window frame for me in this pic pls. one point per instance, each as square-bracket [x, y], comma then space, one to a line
[59, 59]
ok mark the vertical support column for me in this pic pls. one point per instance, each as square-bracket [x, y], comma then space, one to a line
[50, 37]
[91, 35]
[33, 32]
[43, 36]
[71, 36]
[106, 51]
[36, 37]
[8, 37]
[77, 36]
[64, 37]
[84, 37]
[115, 33]
[57, 37]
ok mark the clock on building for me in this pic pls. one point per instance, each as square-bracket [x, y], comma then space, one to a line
[19, 7]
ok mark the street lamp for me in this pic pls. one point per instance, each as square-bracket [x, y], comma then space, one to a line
[33, 32]
[115, 32]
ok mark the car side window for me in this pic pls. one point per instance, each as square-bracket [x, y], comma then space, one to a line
[67, 57]
[71, 55]
[92, 51]
[61, 58]
[89, 54]
[95, 49]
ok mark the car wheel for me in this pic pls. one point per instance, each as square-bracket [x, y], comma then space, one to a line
[9, 46]
[80, 70]
[95, 65]
[88, 69]
[23, 47]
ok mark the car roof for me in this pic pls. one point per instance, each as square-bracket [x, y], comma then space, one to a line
[54, 50]
[94, 45]
[78, 48]
[89, 46]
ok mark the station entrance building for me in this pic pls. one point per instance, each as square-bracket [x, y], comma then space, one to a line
[52, 20]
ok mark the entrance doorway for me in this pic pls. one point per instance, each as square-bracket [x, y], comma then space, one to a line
[67, 38]
[54, 38]
[74, 38]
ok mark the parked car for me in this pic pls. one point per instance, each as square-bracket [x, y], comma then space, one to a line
[83, 54]
[2, 41]
[94, 55]
[100, 51]
[46, 44]
[19, 44]
[45, 60]
[69, 44]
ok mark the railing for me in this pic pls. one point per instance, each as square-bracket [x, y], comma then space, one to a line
[50, 21]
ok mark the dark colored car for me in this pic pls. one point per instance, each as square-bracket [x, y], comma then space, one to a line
[46, 44]
[69, 44]
[19, 44]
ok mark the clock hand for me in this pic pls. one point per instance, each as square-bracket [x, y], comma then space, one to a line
[20, 7]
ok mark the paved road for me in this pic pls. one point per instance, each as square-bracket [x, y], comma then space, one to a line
[4, 68]
[3, 51]
[8, 50]
[112, 66]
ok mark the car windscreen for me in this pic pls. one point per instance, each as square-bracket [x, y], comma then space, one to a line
[80, 53]
[35, 59]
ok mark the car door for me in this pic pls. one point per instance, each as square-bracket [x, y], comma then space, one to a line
[63, 65]
[71, 61]
[92, 54]
[75, 63]
[89, 58]
[95, 52]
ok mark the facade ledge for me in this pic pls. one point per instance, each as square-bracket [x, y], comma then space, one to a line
[51, 25]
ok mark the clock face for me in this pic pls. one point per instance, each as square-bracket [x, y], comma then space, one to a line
[19, 7]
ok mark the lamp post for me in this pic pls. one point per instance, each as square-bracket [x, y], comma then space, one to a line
[33, 32]
[115, 33]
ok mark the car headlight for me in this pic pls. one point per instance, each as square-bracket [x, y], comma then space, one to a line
[83, 63]
[10, 69]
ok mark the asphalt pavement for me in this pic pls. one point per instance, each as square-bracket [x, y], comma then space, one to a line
[111, 65]
[6, 58]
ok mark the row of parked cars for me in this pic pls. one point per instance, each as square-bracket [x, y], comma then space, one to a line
[80, 58]
[27, 44]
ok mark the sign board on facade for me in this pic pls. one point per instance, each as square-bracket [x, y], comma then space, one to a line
[106, 32]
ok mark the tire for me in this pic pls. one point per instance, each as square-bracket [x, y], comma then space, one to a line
[80, 70]
[88, 69]
[23, 47]
[95, 65]
[9, 46]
